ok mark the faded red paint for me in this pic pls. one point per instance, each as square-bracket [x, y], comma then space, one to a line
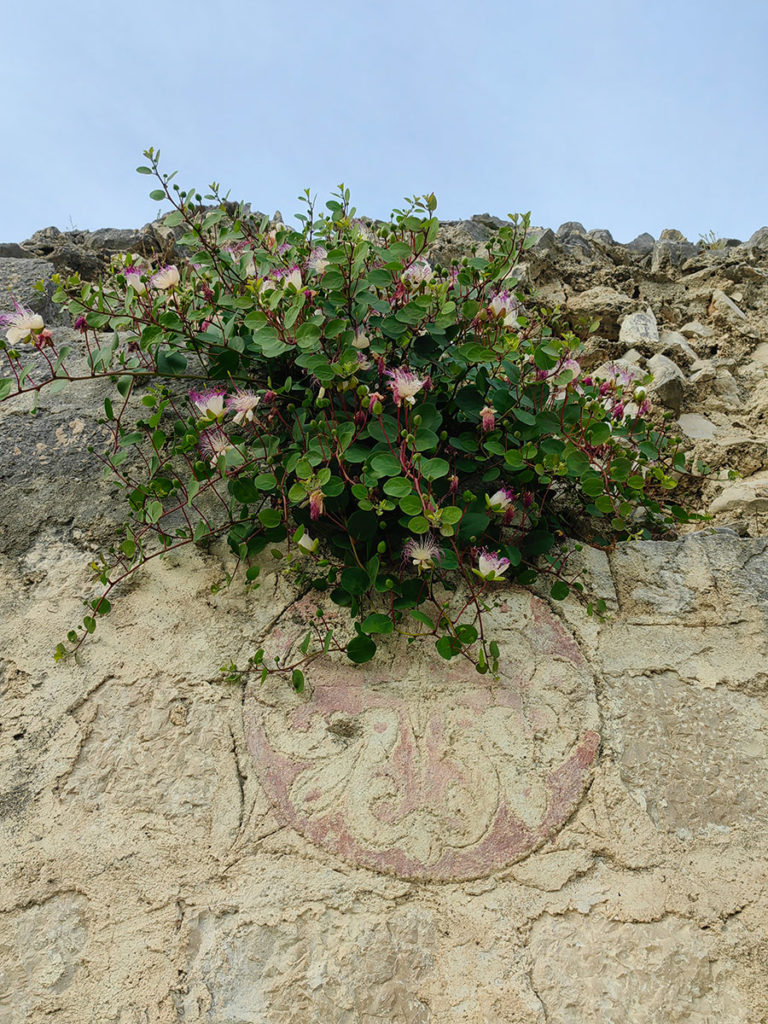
[417, 783]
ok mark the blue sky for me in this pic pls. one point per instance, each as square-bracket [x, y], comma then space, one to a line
[633, 115]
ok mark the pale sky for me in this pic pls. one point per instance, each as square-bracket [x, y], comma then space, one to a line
[631, 115]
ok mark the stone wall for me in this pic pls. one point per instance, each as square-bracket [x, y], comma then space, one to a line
[585, 841]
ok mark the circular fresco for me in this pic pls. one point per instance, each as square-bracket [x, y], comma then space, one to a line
[424, 768]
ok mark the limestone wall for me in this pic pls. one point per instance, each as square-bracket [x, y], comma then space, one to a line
[585, 841]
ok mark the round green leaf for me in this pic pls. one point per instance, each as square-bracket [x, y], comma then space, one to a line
[397, 487]
[418, 525]
[355, 581]
[448, 647]
[433, 469]
[377, 623]
[361, 649]
[386, 465]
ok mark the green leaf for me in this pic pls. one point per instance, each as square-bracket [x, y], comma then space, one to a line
[620, 469]
[577, 463]
[397, 487]
[411, 504]
[89, 623]
[170, 363]
[377, 623]
[362, 525]
[450, 515]
[448, 647]
[6, 385]
[467, 634]
[474, 524]
[418, 525]
[270, 517]
[433, 469]
[592, 485]
[386, 465]
[201, 530]
[344, 435]
[426, 440]
[475, 353]
[379, 278]
[361, 649]
[599, 433]
[560, 590]
[144, 170]
[421, 617]
[157, 194]
[355, 581]
[307, 334]
[265, 482]
[297, 680]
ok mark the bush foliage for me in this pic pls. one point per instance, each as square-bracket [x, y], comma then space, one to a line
[391, 430]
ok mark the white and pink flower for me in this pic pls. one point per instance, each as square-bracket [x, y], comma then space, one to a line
[243, 403]
[165, 278]
[419, 272]
[307, 543]
[21, 324]
[318, 259]
[424, 553]
[488, 417]
[405, 385]
[213, 443]
[501, 500]
[133, 279]
[491, 565]
[316, 504]
[504, 306]
[209, 404]
[281, 277]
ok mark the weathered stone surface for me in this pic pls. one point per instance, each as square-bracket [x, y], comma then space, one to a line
[175, 849]
[640, 330]
[601, 235]
[596, 970]
[606, 305]
[18, 278]
[758, 240]
[669, 253]
[744, 496]
[668, 382]
[675, 345]
[12, 249]
[724, 310]
[642, 245]
[697, 427]
[429, 772]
